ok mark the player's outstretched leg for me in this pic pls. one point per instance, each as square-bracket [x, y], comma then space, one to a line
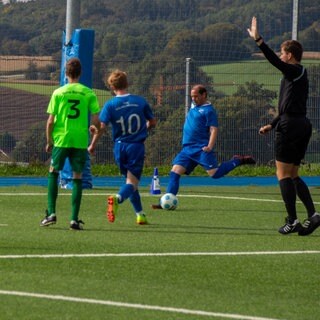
[227, 166]
[245, 159]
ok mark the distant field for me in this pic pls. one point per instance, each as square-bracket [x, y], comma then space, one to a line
[42, 89]
[26, 106]
[227, 77]
[47, 90]
[21, 63]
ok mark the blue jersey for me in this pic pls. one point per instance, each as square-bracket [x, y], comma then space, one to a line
[128, 115]
[196, 130]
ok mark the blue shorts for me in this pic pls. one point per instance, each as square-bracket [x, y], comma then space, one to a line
[129, 157]
[190, 157]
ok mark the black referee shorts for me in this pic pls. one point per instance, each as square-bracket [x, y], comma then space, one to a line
[292, 139]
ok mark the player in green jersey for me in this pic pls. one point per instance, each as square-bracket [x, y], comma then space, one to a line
[67, 135]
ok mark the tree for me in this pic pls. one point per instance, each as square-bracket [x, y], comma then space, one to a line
[221, 42]
[310, 36]
[32, 148]
[182, 44]
[166, 140]
[240, 117]
[7, 142]
[32, 72]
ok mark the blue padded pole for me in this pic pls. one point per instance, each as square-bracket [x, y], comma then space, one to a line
[81, 46]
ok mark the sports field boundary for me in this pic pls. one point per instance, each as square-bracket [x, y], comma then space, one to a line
[146, 181]
[132, 305]
[147, 194]
[202, 313]
[159, 254]
[102, 255]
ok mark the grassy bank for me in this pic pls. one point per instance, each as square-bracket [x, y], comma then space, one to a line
[112, 170]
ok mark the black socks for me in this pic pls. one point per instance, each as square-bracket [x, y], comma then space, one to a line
[288, 192]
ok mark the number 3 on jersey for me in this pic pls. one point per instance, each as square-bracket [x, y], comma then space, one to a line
[74, 109]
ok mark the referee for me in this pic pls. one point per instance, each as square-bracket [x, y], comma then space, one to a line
[293, 131]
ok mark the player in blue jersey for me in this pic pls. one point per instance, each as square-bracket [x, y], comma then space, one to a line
[200, 133]
[130, 117]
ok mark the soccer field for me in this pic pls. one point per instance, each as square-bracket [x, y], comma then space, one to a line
[218, 256]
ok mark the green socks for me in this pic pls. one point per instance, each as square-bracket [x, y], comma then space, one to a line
[76, 198]
[52, 191]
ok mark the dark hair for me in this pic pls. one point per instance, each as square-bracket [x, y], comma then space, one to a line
[200, 88]
[294, 47]
[73, 68]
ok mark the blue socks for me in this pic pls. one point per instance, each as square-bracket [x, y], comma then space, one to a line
[226, 167]
[126, 192]
[136, 201]
[174, 183]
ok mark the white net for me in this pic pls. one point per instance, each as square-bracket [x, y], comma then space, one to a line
[151, 40]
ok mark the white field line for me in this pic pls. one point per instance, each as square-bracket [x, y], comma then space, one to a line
[147, 194]
[140, 306]
[133, 305]
[156, 254]
[142, 194]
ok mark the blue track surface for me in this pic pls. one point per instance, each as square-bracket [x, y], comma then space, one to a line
[146, 181]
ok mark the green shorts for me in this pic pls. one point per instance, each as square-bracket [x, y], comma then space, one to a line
[77, 158]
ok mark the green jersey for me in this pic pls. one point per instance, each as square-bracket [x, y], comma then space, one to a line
[72, 105]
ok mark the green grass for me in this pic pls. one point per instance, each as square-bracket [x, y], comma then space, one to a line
[227, 77]
[41, 170]
[208, 220]
[45, 90]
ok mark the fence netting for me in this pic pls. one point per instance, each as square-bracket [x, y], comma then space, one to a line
[242, 86]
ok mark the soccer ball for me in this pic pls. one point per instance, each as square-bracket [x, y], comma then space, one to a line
[169, 201]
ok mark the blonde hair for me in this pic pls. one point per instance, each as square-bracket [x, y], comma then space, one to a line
[118, 80]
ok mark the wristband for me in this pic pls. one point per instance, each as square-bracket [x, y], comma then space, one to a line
[257, 40]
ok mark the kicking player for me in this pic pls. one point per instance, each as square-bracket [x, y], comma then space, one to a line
[200, 133]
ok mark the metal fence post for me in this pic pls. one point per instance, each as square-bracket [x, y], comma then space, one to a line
[187, 104]
[72, 18]
[295, 11]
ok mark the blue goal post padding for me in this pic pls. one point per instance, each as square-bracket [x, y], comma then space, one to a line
[80, 46]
